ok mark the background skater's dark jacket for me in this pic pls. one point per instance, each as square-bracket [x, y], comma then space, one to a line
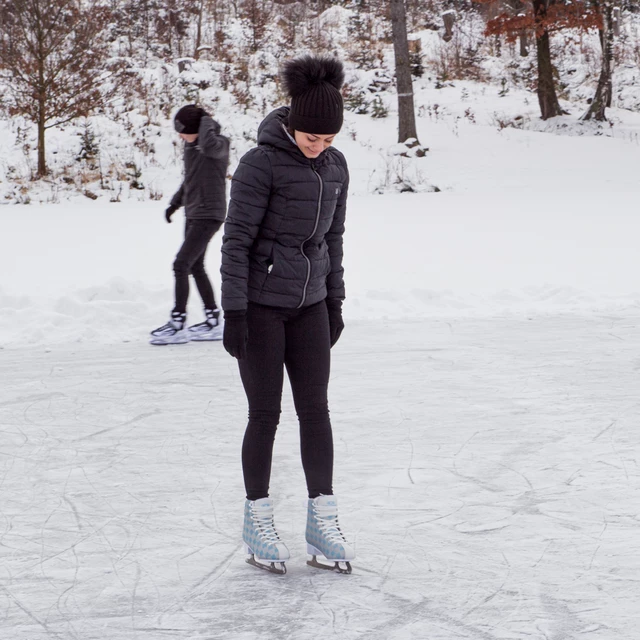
[203, 190]
[282, 243]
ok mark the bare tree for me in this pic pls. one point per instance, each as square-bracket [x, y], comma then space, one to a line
[547, 96]
[53, 52]
[604, 91]
[406, 110]
[541, 17]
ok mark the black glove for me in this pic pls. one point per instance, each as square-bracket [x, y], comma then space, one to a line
[336, 325]
[236, 333]
[170, 210]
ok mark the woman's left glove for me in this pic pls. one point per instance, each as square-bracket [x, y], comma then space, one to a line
[236, 333]
[336, 325]
[169, 211]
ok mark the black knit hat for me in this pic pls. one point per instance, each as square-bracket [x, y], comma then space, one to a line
[313, 83]
[187, 120]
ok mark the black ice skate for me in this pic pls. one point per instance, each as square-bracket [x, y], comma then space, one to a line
[210, 329]
[173, 332]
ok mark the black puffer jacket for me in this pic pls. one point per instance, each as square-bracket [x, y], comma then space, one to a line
[282, 244]
[204, 189]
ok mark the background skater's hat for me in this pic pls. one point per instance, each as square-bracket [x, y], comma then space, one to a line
[187, 120]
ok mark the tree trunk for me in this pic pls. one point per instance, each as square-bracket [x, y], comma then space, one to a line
[604, 91]
[406, 112]
[42, 162]
[449, 19]
[524, 43]
[547, 97]
[616, 22]
[196, 55]
[42, 107]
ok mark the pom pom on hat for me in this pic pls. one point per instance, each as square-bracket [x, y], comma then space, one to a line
[313, 84]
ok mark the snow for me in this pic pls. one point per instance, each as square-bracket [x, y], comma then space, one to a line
[492, 241]
[102, 273]
[483, 395]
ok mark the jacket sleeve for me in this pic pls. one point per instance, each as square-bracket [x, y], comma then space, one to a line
[335, 279]
[176, 201]
[248, 203]
[210, 142]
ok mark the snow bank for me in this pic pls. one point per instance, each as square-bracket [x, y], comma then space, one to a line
[105, 275]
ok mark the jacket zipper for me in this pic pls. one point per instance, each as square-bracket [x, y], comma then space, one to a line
[315, 228]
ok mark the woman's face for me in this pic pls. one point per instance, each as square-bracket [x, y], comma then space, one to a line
[189, 137]
[311, 144]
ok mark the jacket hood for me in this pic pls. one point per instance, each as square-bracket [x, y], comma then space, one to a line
[272, 130]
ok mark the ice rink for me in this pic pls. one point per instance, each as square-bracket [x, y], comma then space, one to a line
[487, 470]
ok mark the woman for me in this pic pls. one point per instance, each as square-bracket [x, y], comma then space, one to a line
[282, 292]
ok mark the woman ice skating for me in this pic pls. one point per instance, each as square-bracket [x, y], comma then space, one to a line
[203, 194]
[282, 293]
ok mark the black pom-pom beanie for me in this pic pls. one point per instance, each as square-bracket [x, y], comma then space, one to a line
[313, 84]
[187, 120]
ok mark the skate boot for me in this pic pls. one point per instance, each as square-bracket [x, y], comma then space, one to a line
[173, 332]
[261, 540]
[324, 537]
[210, 329]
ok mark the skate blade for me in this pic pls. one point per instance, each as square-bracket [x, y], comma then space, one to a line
[278, 568]
[159, 341]
[205, 338]
[339, 566]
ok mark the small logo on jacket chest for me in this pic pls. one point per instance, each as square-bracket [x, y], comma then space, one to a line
[337, 191]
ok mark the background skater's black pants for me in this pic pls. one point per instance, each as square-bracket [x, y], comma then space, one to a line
[297, 339]
[190, 260]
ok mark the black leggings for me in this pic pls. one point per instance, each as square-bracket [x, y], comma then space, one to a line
[299, 340]
[190, 260]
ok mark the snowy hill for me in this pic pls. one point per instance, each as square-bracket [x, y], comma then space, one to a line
[130, 152]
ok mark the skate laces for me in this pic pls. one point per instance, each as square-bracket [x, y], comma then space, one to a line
[265, 525]
[327, 522]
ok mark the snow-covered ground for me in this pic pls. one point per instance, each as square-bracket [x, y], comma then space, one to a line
[526, 221]
[484, 399]
[103, 273]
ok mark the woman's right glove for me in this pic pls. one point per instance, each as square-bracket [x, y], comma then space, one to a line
[236, 333]
[336, 324]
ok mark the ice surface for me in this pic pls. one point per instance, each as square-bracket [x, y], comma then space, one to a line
[487, 470]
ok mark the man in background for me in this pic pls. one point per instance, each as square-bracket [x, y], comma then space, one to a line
[203, 195]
